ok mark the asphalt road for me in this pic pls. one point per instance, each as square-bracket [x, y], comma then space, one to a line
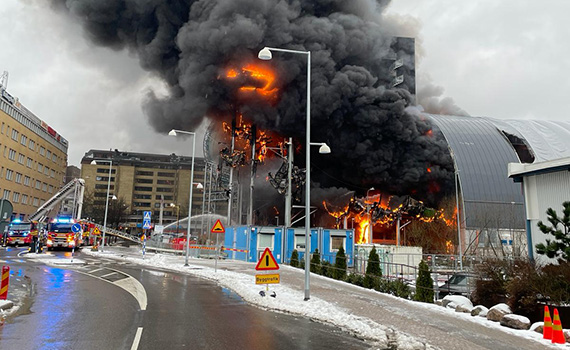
[82, 307]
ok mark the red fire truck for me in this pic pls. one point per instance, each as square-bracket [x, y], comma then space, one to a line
[20, 232]
[59, 234]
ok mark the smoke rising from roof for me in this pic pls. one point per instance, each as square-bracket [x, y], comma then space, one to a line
[375, 139]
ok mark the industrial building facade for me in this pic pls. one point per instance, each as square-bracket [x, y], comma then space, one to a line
[144, 182]
[33, 157]
[544, 185]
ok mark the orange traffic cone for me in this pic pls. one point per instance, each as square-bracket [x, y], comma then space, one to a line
[547, 328]
[557, 333]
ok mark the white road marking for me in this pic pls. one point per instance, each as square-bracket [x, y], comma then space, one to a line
[137, 339]
[130, 284]
[109, 274]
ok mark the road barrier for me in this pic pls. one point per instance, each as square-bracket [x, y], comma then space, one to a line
[5, 282]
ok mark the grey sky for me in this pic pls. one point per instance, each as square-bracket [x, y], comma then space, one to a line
[503, 59]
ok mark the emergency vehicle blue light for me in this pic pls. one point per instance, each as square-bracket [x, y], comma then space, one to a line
[17, 221]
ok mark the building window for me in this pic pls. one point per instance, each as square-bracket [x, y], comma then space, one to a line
[50, 189]
[144, 181]
[336, 243]
[103, 187]
[42, 151]
[12, 154]
[164, 189]
[54, 158]
[21, 158]
[300, 243]
[36, 200]
[166, 174]
[6, 194]
[15, 134]
[106, 171]
[46, 171]
[24, 199]
[145, 189]
[52, 173]
[104, 178]
[9, 174]
[264, 241]
[141, 204]
[144, 173]
[48, 154]
[16, 197]
[165, 182]
[32, 146]
[26, 180]
[142, 196]
[38, 184]
[29, 163]
[40, 167]
[18, 178]
[166, 198]
[24, 140]
[44, 187]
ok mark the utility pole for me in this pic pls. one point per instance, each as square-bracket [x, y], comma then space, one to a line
[253, 171]
[288, 196]
[230, 185]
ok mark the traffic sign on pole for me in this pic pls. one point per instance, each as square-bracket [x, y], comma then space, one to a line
[218, 227]
[146, 220]
[267, 261]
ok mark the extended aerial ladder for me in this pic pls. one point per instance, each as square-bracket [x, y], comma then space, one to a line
[73, 189]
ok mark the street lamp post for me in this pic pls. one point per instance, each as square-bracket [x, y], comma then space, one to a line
[107, 199]
[265, 54]
[174, 132]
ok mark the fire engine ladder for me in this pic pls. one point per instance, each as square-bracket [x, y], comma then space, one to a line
[113, 232]
[75, 187]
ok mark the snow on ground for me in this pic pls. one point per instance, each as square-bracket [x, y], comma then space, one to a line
[291, 301]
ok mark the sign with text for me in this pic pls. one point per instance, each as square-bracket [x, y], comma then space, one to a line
[267, 279]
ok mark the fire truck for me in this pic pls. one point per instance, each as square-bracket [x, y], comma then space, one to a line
[20, 232]
[60, 234]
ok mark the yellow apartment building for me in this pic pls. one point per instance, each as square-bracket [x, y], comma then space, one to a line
[33, 157]
[144, 182]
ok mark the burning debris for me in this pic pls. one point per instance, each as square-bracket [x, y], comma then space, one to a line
[279, 181]
[373, 210]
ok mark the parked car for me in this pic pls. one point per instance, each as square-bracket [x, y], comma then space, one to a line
[460, 283]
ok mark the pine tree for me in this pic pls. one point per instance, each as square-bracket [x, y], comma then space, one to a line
[294, 258]
[373, 271]
[558, 248]
[424, 284]
[315, 262]
[340, 265]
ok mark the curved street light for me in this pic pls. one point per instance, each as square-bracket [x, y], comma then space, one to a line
[175, 132]
[265, 54]
[110, 161]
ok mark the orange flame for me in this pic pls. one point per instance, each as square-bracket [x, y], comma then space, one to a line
[265, 76]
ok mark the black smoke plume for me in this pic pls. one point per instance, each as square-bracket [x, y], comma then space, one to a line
[375, 140]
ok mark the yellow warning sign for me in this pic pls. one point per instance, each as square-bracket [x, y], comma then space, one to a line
[96, 231]
[267, 261]
[218, 227]
[267, 279]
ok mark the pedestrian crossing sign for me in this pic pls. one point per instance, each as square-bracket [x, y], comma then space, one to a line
[267, 261]
[218, 227]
